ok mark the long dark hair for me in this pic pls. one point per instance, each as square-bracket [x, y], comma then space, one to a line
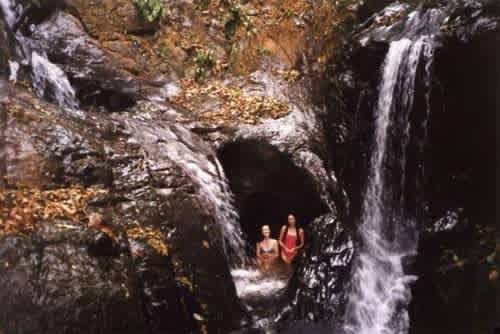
[297, 228]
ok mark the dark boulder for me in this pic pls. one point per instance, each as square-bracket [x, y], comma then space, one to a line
[173, 261]
[52, 282]
[317, 290]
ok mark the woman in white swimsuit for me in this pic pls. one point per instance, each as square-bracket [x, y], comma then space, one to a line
[267, 250]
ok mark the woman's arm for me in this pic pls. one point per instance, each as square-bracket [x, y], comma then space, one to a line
[301, 239]
[257, 251]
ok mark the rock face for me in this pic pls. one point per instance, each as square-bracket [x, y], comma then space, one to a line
[279, 166]
[317, 290]
[52, 282]
[101, 78]
[5, 51]
[170, 260]
[157, 179]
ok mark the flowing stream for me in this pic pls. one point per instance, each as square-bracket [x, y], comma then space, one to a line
[380, 286]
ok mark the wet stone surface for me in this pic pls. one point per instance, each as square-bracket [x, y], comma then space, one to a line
[171, 260]
[318, 289]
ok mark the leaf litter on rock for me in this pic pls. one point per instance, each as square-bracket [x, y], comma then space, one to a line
[22, 209]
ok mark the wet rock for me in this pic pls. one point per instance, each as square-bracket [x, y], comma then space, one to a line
[298, 135]
[367, 9]
[173, 253]
[5, 48]
[385, 24]
[471, 19]
[462, 20]
[52, 280]
[318, 288]
[101, 78]
[448, 222]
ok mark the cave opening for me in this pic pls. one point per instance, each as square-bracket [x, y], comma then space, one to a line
[268, 186]
[92, 96]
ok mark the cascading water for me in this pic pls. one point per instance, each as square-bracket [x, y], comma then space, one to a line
[380, 287]
[49, 81]
[8, 10]
[197, 161]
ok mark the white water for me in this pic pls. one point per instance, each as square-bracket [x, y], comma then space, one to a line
[252, 283]
[381, 289]
[209, 174]
[200, 163]
[48, 77]
[49, 81]
[8, 10]
[13, 69]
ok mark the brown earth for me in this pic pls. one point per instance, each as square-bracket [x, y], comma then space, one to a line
[215, 40]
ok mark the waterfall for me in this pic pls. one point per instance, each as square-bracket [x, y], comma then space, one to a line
[48, 80]
[8, 10]
[200, 163]
[380, 294]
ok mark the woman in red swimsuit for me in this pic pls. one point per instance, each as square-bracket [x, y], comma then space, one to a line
[291, 240]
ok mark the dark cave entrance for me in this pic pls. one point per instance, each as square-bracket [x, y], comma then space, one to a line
[268, 186]
[94, 97]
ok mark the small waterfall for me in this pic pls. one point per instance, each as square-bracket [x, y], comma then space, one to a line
[13, 68]
[49, 81]
[207, 171]
[201, 164]
[253, 283]
[8, 10]
[380, 287]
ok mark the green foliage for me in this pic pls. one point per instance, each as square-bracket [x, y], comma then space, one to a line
[235, 19]
[204, 61]
[150, 10]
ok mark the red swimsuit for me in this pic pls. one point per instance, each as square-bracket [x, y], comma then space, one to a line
[290, 242]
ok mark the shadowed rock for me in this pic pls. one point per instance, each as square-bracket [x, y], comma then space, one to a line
[318, 289]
